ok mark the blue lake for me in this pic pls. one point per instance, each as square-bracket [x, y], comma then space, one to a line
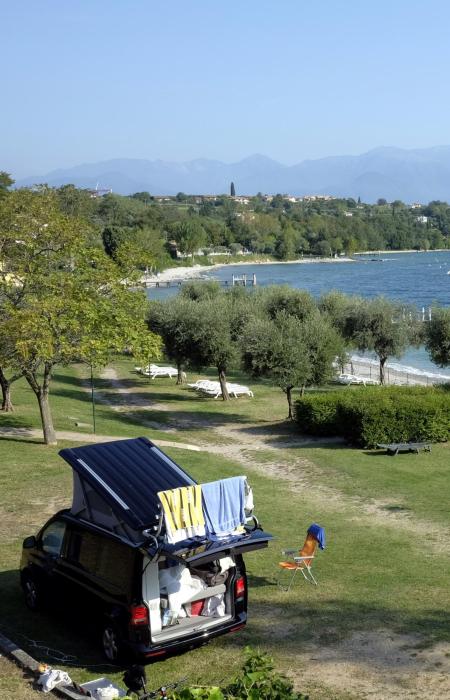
[415, 278]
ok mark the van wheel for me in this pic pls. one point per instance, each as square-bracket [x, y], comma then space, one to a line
[111, 642]
[32, 594]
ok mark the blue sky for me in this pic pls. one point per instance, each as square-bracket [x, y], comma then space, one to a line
[89, 80]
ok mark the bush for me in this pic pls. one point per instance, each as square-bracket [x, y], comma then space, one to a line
[257, 681]
[366, 416]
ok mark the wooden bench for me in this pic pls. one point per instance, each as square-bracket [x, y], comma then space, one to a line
[395, 447]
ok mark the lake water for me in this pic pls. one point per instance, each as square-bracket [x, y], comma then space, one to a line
[415, 278]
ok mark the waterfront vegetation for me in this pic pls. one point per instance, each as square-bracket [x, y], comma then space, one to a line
[375, 509]
[270, 226]
[157, 229]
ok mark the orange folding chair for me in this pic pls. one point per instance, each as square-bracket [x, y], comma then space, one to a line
[303, 560]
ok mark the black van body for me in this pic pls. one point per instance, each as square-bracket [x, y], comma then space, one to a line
[104, 556]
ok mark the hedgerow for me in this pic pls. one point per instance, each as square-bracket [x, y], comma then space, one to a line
[366, 416]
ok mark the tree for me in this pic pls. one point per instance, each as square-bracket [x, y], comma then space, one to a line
[5, 181]
[189, 235]
[277, 350]
[437, 337]
[144, 197]
[174, 320]
[74, 201]
[295, 302]
[232, 190]
[294, 352]
[61, 301]
[383, 326]
[213, 337]
[201, 291]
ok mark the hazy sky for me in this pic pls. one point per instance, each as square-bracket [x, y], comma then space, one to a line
[89, 80]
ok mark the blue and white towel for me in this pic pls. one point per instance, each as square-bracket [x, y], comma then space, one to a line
[223, 506]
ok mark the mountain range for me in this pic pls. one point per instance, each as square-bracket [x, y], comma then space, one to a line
[415, 175]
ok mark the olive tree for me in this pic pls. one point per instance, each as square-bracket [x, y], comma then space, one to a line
[383, 326]
[437, 336]
[293, 352]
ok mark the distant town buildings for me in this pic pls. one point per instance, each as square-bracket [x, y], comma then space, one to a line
[99, 192]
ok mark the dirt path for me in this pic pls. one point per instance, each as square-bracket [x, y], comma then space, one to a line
[71, 436]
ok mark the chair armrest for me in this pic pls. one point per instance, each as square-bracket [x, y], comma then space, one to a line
[310, 556]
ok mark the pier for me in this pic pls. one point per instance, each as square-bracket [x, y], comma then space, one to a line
[236, 281]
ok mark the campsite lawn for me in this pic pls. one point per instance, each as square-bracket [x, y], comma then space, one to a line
[383, 568]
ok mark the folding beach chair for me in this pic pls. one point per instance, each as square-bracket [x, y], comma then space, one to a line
[303, 560]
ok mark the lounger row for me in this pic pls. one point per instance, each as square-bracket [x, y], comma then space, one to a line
[210, 388]
[355, 379]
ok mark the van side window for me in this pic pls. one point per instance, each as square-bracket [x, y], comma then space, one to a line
[102, 557]
[52, 538]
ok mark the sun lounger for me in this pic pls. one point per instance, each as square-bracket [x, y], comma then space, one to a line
[394, 448]
[213, 388]
[155, 371]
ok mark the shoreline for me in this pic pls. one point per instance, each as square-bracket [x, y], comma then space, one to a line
[179, 274]
[175, 274]
[395, 373]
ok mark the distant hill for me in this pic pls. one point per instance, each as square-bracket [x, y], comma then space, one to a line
[417, 175]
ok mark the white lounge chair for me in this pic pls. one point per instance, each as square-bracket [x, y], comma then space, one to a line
[155, 371]
[239, 390]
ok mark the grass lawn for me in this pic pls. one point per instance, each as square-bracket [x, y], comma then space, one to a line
[385, 566]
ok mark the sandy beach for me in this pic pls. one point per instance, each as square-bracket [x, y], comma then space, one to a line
[396, 374]
[178, 274]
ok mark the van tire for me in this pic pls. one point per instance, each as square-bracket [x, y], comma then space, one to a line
[33, 596]
[112, 642]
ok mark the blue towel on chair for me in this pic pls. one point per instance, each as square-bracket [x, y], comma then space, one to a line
[319, 533]
[223, 506]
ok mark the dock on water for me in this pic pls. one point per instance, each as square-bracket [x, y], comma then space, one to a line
[236, 281]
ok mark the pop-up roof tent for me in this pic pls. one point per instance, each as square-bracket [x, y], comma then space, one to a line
[115, 487]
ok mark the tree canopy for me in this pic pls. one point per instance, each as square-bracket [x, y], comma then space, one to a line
[61, 300]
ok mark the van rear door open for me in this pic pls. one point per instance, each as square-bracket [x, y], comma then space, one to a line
[208, 551]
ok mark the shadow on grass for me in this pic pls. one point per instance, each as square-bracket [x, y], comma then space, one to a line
[27, 440]
[48, 636]
[141, 416]
[12, 420]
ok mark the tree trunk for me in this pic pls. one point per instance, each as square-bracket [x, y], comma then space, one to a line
[289, 399]
[6, 393]
[302, 390]
[46, 418]
[382, 373]
[223, 385]
[42, 395]
[181, 375]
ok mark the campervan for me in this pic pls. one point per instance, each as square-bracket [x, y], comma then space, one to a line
[110, 555]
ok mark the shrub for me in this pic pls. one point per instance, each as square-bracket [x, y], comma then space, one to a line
[256, 681]
[366, 416]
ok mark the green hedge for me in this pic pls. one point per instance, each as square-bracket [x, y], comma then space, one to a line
[365, 416]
